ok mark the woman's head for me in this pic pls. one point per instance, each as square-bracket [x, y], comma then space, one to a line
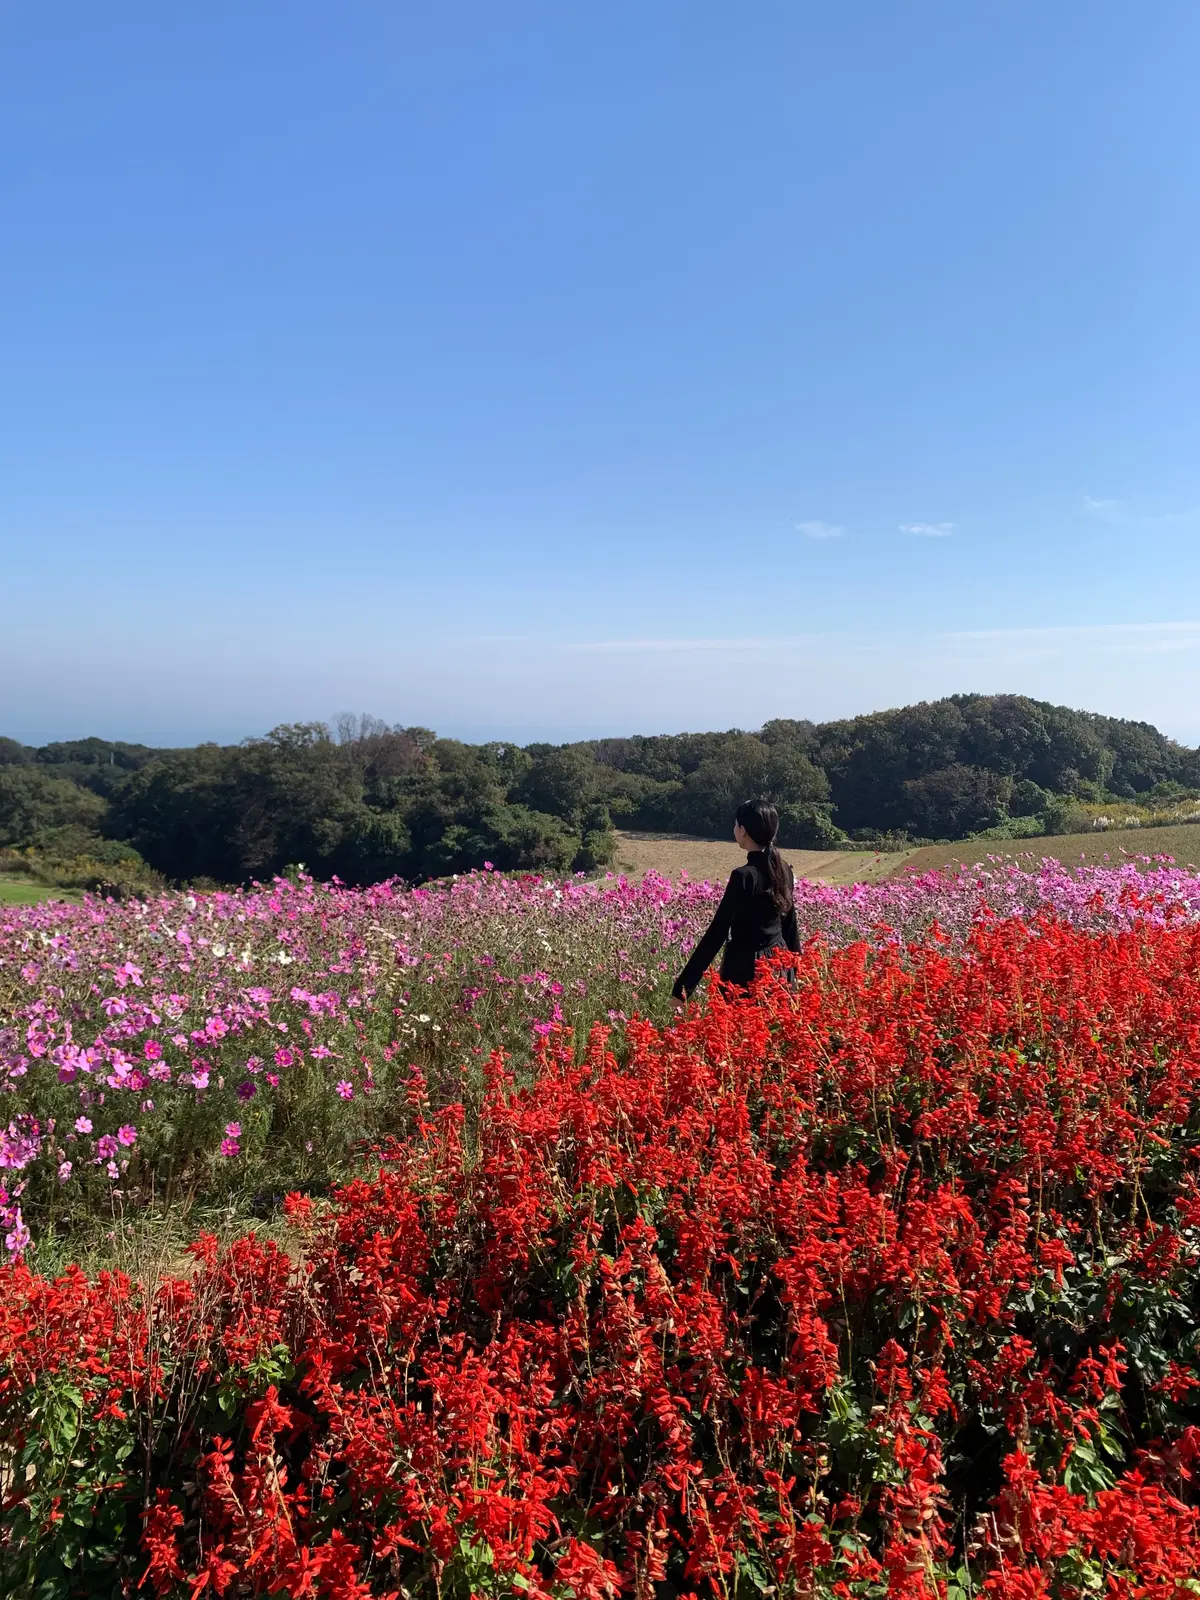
[758, 821]
[754, 828]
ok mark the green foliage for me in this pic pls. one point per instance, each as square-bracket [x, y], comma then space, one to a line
[747, 766]
[50, 833]
[559, 781]
[365, 802]
[378, 803]
[74, 1525]
[1013, 828]
[96, 764]
[956, 800]
[37, 809]
[1065, 815]
[13, 754]
[1028, 798]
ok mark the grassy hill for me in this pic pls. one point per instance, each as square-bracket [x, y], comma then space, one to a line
[676, 853]
[1072, 849]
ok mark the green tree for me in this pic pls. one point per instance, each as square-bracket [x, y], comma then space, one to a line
[1004, 733]
[1076, 760]
[46, 813]
[869, 759]
[14, 754]
[1142, 757]
[747, 769]
[560, 780]
[180, 814]
[955, 801]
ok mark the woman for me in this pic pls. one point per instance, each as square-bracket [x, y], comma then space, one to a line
[757, 912]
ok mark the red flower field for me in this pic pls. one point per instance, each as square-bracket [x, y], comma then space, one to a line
[884, 1283]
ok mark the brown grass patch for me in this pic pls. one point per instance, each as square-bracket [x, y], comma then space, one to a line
[674, 854]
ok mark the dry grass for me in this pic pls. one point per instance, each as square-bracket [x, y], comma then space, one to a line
[1072, 849]
[674, 854]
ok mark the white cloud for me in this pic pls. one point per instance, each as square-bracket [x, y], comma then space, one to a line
[1100, 508]
[1108, 638]
[928, 530]
[1016, 644]
[777, 642]
[820, 530]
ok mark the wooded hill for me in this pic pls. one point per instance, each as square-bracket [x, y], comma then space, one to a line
[366, 801]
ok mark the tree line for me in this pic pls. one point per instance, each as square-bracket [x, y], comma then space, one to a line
[365, 801]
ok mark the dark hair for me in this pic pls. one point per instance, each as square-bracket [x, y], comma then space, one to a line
[761, 822]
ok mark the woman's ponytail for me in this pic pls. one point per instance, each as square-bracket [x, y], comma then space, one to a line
[761, 822]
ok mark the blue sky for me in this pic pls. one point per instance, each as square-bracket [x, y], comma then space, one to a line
[541, 371]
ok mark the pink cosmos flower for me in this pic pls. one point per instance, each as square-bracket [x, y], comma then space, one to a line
[127, 1134]
[83, 1124]
[64, 1171]
[152, 1050]
[233, 1130]
[247, 1090]
[344, 1088]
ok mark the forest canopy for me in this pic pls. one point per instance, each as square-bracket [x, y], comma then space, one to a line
[364, 801]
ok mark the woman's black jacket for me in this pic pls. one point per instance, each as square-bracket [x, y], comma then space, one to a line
[747, 922]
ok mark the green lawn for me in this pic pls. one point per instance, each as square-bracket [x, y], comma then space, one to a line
[24, 892]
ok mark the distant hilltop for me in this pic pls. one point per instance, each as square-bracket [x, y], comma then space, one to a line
[365, 801]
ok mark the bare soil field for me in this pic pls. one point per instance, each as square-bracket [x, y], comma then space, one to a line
[674, 854]
[1072, 849]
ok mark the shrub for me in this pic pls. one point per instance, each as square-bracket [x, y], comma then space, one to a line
[1028, 799]
[1065, 815]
